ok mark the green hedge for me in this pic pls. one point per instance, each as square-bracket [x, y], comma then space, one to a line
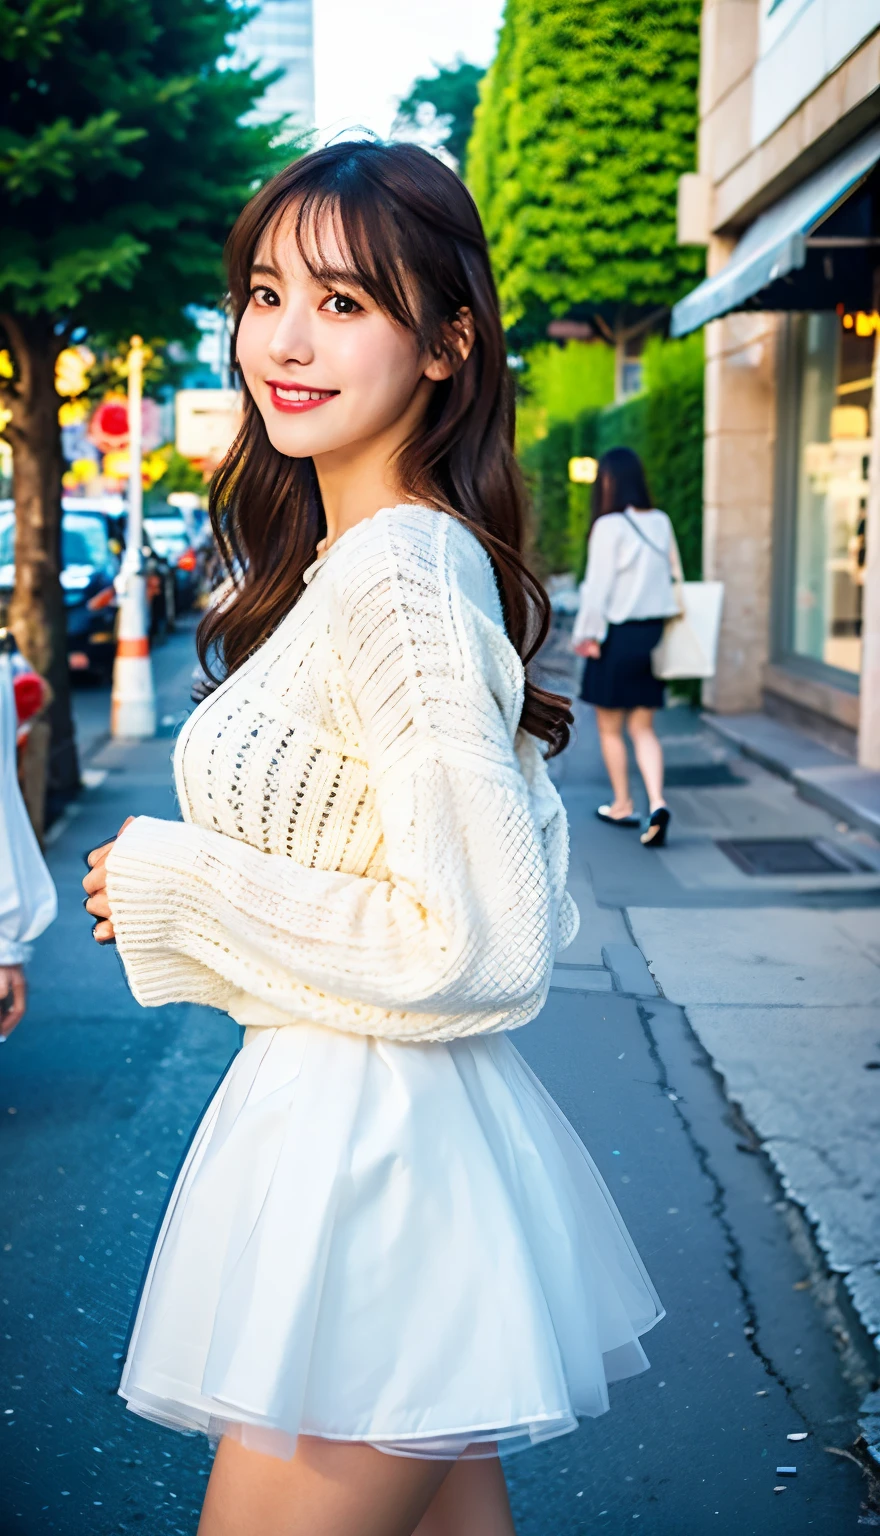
[664, 426]
[545, 465]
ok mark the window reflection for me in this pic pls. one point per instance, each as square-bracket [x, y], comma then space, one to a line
[833, 464]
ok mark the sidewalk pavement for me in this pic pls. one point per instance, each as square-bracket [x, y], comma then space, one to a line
[825, 777]
[779, 974]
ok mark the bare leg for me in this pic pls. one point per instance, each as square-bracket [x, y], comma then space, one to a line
[610, 724]
[472, 1501]
[649, 754]
[325, 1489]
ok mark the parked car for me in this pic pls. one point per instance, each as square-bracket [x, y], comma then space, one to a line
[169, 535]
[92, 534]
[161, 596]
[90, 563]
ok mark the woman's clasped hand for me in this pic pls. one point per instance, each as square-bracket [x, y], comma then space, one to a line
[95, 887]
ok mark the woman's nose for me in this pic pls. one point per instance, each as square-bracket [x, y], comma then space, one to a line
[291, 342]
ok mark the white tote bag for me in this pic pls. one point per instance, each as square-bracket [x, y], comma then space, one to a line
[689, 644]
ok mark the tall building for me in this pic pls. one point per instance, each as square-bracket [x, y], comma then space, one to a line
[281, 37]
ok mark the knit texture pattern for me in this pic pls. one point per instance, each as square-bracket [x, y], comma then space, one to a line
[369, 841]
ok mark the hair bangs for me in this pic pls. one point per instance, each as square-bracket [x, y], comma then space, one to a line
[332, 221]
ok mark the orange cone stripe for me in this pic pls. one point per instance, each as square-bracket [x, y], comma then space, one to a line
[133, 647]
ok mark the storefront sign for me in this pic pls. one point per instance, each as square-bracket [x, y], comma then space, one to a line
[207, 421]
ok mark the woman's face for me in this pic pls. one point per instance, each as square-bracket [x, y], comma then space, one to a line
[328, 370]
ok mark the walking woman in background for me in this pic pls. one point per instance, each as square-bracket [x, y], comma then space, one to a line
[626, 595]
[387, 1256]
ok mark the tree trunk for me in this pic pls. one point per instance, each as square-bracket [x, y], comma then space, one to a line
[36, 614]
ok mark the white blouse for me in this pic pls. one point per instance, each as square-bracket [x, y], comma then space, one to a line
[627, 578]
[369, 840]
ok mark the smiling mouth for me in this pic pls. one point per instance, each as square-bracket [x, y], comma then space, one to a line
[293, 397]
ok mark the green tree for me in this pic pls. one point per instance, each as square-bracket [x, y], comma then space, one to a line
[587, 117]
[123, 161]
[447, 99]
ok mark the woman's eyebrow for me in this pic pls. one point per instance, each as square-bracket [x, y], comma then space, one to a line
[262, 268]
[328, 276]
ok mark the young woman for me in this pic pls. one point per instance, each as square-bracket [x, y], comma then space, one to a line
[387, 1256]
[626, 595]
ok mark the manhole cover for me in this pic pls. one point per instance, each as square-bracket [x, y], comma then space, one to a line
[791, 856]
[700, 775]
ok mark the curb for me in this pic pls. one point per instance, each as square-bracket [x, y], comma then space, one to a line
[820, 776]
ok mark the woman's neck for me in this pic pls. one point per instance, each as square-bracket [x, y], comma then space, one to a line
[352, 492]
[357, 481]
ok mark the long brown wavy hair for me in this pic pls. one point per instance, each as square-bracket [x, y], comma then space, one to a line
[415, 245]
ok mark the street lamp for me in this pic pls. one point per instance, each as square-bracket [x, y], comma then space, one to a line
[133, 700]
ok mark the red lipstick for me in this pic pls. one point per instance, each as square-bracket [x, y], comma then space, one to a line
[295, 398]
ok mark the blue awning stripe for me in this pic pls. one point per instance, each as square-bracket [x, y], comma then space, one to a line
[777, 241]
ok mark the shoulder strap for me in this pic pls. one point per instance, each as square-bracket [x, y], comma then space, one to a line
[644, 537]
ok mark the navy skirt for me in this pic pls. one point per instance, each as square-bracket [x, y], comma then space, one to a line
[622, 677]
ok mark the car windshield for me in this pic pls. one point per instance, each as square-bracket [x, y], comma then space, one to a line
[83, 540]
[167, 533]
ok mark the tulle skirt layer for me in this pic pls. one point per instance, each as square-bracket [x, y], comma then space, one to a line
[400, 1244]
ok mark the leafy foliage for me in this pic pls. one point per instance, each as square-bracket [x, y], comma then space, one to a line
[558, 382]
[123, 160]
[587, 118]
[180, 475]
[447, 98]
[664, 425]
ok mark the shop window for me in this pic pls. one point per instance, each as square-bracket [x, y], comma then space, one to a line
[831, 489]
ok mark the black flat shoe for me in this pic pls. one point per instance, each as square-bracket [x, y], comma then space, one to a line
[604, 814]
[654, 835]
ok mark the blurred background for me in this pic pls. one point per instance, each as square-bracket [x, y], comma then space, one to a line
[682, 201]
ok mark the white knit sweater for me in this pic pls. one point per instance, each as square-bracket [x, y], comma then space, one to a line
[369, 842]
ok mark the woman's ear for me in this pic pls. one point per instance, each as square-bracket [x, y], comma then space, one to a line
[457, 339]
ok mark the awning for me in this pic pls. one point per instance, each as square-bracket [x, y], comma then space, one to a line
[776, 245]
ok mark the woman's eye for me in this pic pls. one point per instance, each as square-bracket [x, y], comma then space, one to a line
[340, 304]
[264, 297]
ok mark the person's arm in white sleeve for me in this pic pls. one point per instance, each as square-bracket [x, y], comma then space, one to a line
[591, 622]
[675, 564]
[460, 937]
[28, 902]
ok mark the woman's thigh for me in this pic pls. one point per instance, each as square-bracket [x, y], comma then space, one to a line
[609, 721]
[640, 719]
[325, 1489]
[471, 1501]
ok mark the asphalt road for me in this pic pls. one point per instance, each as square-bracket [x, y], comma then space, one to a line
[97, 1101]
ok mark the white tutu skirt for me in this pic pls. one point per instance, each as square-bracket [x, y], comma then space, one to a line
[400, 1244]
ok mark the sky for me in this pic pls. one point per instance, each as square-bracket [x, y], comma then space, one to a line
[368, 54]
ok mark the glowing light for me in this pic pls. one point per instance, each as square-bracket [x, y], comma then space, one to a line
[583, 471]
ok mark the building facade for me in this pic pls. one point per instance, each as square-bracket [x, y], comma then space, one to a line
[281, 37]
[787, 200]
